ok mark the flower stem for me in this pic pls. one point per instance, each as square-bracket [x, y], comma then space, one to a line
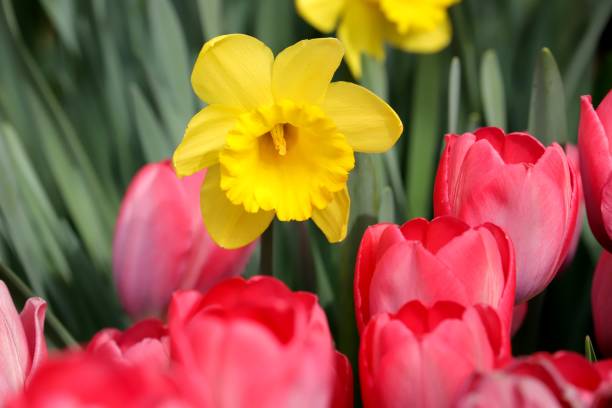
[267, 252]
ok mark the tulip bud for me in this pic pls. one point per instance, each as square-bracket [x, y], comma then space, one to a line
[420, 357]
[594, 141]
[161, 245]
[444, 259]
[22, 341]
[516, 183]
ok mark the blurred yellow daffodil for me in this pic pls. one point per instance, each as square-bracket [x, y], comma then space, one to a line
[277, 137]
[420, 26]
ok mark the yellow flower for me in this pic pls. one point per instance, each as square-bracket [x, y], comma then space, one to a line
[420, 26]
[277, 137]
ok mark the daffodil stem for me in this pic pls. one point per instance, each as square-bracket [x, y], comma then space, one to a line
[267, 251]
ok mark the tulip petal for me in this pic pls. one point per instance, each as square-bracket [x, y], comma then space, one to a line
[421, 41]
[606, 206]
[303, 71]
[204, 138]
[369, 124]
[229, 225]
[361, 30]
[604, 111]
[595, 167]
[33, 321]
[14, 355]
[409, 272]
[234, 70]
[602, 303]
[333, 219]
[322, 14]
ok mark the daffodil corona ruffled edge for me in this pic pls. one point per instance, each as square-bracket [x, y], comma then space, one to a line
[278, 138]
[420, 26]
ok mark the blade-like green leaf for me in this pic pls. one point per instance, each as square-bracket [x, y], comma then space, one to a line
[589, 350]
[454, 95]
[154, 144]
[547, 120]
[274, 23]
[211, 17]
[492, 89]
[62, 14]
[386, 212]
[424, 135]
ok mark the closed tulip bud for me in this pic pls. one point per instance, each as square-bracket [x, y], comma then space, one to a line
[420, 357]
[256, 343]
[22, 341]
[444, 259]
[513, 181]
[594, 144]
[601, 303]
[161, 245]
[144, 343]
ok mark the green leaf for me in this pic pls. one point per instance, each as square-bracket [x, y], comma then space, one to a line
[274, 23]
[155, 145]
[169, 73]
[62, 14]
[583, 56]
[589, 350]
[324, 288]
[492, 89]
[211, 17]
[454, 95]
[386, 211]
[547, 114]
[374, 76]
[424, 136]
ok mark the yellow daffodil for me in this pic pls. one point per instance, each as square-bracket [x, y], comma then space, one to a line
[277, 137]
[420, 26]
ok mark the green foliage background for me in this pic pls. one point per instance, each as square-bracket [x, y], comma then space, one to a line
[91, 90]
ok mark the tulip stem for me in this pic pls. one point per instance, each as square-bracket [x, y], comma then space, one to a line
[267, 252]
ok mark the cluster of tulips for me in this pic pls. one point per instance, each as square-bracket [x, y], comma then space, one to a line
[436, 302]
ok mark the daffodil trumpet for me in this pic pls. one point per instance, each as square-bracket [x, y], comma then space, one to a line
[277, 136]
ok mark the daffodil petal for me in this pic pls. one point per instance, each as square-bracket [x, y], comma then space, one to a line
[302, 72]
[229, 225]
[422, 41]
[234, 70]
[361, 30]
[367, 122]
[204, 138]
[321, 14]
[333, 219]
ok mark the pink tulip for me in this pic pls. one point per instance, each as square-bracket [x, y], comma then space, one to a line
[601, 303]
[22, 341]
[516, 183]
[443, 259]
[595, 147]
[518, 317]
[420, 357]
[256, 343]
[145, 343]
[160, 243]
[573, 159]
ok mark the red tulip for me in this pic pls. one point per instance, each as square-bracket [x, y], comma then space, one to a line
[563, 379]
[573, 159]
[420, 357]
[144, 343]
[255, 342]
[516, 183]
[22, 341]
[86, 380]
[595, 147]
[443, 259]
[601, 303]
[160, 243]
[504, 390]
[518, 317]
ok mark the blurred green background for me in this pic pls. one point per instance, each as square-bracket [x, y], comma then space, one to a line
[91, 90]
